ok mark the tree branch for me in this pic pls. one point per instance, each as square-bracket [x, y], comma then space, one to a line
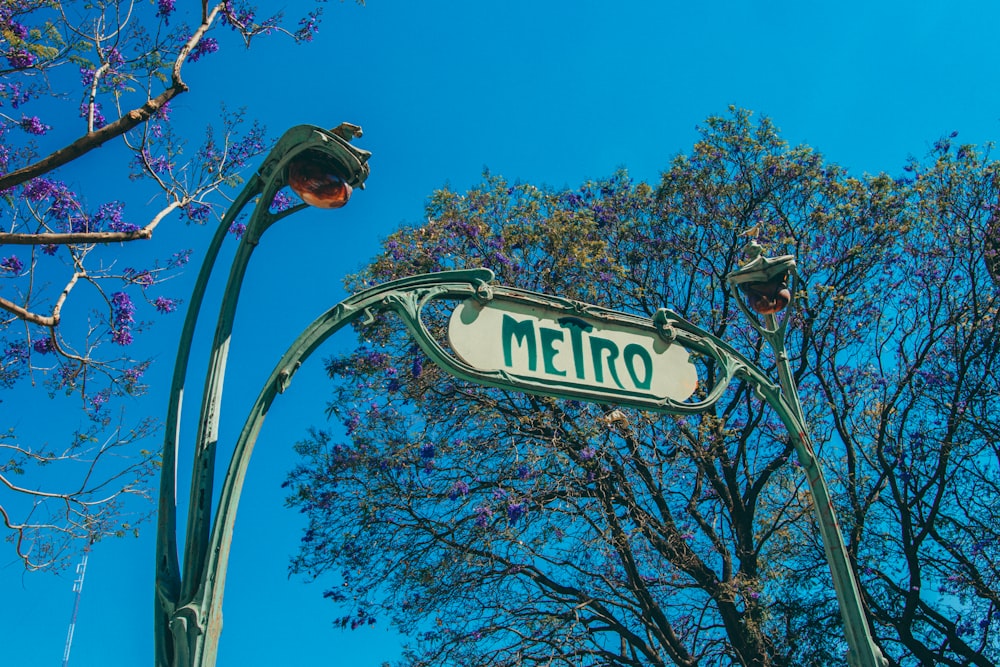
[130, 120]
[49, 321]
[26, 315]
[55, 238]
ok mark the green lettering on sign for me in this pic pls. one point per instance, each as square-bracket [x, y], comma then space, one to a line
[633, 350]
[518, 340]
[597, 346]
[548, 352]
[525, 334]
[576, 327]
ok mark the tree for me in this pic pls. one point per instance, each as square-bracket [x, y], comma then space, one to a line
[504, 529]
[75, 77]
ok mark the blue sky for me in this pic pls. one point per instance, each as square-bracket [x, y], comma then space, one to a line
[548, 92]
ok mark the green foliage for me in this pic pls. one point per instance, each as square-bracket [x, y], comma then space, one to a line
[506, 529]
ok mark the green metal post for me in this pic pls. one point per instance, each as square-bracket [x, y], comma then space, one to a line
[186, 626]
[862, 649]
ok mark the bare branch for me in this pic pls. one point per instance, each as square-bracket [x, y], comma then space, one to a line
[42, 320]
[27, 315]
[130, 120]
[55, 238]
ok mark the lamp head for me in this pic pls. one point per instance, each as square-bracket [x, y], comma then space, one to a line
[314, 177]
[764, 281]
[321, 166]
[768, 298]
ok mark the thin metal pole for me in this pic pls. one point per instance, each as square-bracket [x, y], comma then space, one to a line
[862, 649]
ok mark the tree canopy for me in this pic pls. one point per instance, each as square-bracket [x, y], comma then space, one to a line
[503, 529]
[74, 292]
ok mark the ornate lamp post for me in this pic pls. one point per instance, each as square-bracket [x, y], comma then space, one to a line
[764, 282]
[654, 374]
[322, 167]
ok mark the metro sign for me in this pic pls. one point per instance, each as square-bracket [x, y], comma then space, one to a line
[571, 354]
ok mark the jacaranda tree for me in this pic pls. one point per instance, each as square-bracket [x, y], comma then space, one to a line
[74, 290]
[503, 529]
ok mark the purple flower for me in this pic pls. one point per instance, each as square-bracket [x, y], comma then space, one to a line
[111, 213]
[114, 57]
[353, 421]
[281, 202]
[459, 488]
[375, 357]
[308, 27]
[80, 224]
[38, 189]
[237, 229]
[16, 28]
[44, 345]
[179, 259]
[122, 312]
[515, 512]
[85, 111]
[50, 249]
[142, 278]
[64, 204]
[164, 9]
[16, 351]
[122, 336]
[483, 516]
[163, 113]
[165, 305]
[418, 367]
[12, 264]
[246, 148]
[68, 374]
[123, 307]
[427, 452]
[87, 76]
[99, 399]
[32, 125]
[156, 164]
[20, 59]
[588, 453]
[203, 48]
[197, 213]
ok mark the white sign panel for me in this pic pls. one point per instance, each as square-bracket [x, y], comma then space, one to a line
[563, 350]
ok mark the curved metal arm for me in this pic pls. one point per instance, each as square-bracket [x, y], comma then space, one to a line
[395, 296]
